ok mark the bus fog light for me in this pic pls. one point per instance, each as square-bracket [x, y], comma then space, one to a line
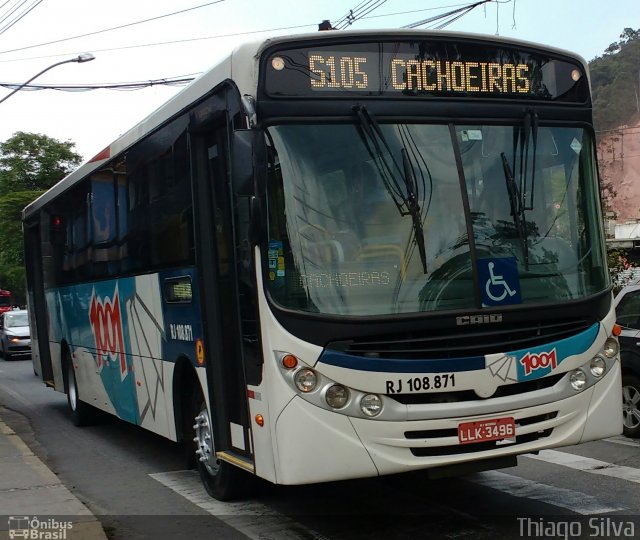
[578, 379]
[306, 380]
[597, 366]
[371, 405]
[337, 396]
[611, 347]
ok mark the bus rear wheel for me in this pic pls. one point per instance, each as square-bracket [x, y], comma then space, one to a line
[222, 480]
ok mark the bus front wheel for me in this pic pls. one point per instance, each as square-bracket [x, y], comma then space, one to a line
[222, 480]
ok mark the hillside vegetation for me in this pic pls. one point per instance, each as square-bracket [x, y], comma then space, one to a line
[615, 81]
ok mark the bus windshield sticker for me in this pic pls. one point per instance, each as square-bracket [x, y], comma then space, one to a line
[275, 257]
[576, 146]
[499, 281]
[471, 135]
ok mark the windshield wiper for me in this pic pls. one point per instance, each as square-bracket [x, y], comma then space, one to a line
[404, 199]
[529, 139]
[414, 206]
[516, 209]
[521, 193]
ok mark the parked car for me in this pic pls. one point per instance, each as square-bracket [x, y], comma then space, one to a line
[627, 305]
[15, 340]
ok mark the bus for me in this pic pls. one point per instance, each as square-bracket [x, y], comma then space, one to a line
[6, 300]
[340, 255]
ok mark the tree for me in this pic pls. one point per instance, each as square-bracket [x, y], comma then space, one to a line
[619, 268]
[29, 164]
[615, 80]
[34, 162]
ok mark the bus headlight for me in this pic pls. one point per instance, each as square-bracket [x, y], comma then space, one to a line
[337, 396]
[611, 347]
[578, 380]
[597, 366]
[306, 380]
[371, 405]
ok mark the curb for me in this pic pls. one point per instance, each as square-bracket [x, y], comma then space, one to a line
[33, 498]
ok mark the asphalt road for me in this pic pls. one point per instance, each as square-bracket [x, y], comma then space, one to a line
[136, 485]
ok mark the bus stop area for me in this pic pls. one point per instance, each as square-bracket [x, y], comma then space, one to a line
[33, 497]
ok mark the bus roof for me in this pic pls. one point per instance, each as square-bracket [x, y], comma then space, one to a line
[233, 67]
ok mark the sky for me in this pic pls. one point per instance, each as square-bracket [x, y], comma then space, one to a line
[206, 31]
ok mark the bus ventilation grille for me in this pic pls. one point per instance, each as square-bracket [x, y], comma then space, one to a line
[459, 342]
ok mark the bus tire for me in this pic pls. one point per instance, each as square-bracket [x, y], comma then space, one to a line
[222, 480]
[82, 414]
[631, 405]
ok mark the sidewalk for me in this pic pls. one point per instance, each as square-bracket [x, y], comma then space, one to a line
[32, 496]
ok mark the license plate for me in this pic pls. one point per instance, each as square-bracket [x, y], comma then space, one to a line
[486, 430]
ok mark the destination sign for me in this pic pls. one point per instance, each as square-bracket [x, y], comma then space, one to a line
[424, 69]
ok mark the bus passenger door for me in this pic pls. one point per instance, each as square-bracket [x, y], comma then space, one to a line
[40, 352]
[219, 291]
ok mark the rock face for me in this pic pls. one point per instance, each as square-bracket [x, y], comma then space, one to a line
[619, 163]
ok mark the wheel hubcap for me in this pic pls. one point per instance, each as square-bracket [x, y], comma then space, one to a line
[630, 407]
[73, 393]
[205, 450]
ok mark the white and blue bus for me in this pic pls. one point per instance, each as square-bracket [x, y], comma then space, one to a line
[340, 255]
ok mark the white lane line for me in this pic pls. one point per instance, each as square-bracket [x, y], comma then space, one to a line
[590, 465]
[578, 502]
[624, 441]
[251, 518]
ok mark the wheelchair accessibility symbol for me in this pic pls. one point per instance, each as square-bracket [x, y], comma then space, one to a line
[500, 281]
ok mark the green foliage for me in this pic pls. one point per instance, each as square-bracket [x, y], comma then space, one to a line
[13, 279]
[619, 265]
[615, 81]
[31, 162]
[11, 241]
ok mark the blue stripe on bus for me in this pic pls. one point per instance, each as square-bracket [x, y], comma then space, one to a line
[401, 365]
[561, 350]
[539, 361]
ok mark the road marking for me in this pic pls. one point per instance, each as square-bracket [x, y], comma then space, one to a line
[578, 502]
[251, 518]
[624, 441]
[590, 465]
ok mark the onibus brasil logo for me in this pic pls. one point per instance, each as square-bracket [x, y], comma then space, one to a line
[38, 529]
[106, 325]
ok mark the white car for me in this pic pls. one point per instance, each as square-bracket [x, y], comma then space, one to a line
[15, 339]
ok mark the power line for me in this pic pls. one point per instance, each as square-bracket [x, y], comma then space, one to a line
[358, 12]
[414, 11]
[314, 25]
[113, 28]
[448, 17]
[19, 16]
[179, 80]
[219, 36]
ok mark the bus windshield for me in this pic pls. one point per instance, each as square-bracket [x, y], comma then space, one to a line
[377, 219]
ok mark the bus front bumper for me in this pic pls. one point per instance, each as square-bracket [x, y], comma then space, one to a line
[317, 445]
